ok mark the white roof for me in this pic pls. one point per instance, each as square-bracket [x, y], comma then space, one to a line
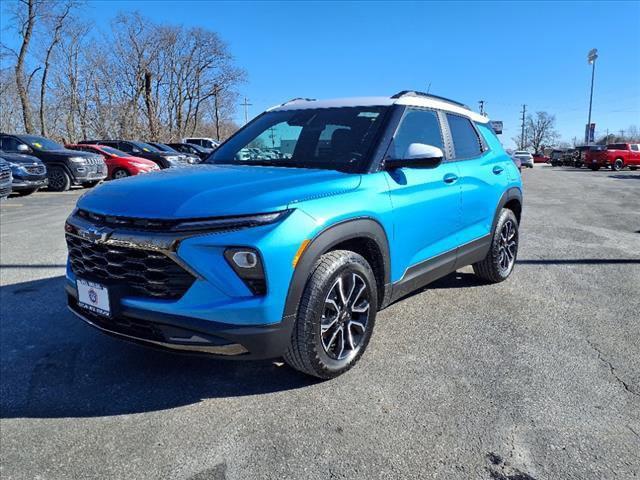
[409, 100]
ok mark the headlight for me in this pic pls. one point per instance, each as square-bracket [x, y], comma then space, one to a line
[78, 159]
[173, 158]
[227, 223]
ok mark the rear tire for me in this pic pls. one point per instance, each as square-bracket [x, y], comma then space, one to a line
[59, 180]
[501, 258]
[90, 184]
[336, 316]
[633, 169]
[618, 165]
[595, 168]
[24, 193]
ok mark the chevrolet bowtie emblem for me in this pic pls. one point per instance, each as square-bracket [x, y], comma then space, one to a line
[95, 234]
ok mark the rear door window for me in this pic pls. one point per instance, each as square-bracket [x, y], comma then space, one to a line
[466, 142]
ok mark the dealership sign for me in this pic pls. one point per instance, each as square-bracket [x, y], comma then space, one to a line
[589, 132]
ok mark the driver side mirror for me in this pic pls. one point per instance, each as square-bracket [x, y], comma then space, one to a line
[22, 148]
[417, 155]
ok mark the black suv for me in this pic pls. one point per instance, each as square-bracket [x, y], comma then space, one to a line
[29, 173]
[188, 157]
[144, 150]
[64, 167]
[202, 152]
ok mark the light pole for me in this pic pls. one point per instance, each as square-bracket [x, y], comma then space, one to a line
[591, 57]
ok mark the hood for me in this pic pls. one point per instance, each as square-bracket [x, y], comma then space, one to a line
[131, 158]
[66, 153]
[20, 158]
[214, 190]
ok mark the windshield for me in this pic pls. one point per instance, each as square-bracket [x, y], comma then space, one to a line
[41, 143]
[327, 138]
[165, 148]
[113, 151]
[145, 147]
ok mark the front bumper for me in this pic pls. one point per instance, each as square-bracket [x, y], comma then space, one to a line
[28, 183]
[188, 335]
[217, 314]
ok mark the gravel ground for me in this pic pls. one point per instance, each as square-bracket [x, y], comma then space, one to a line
[534, 378]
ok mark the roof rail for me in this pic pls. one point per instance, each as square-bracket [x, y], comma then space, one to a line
[300, 99]
[414, 93]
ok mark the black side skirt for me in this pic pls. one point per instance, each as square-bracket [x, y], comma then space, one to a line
[434, 268]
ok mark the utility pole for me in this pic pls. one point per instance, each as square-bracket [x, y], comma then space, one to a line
[591, 57]
[522, 139]
[621, 134]
[246, 106]
[481, 102]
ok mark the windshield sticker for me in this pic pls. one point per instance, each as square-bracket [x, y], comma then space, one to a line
[369, 114]
[37, 145]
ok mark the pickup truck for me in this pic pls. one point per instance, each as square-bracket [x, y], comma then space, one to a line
[617, 156]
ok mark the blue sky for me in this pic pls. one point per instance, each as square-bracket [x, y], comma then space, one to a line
[505, 53]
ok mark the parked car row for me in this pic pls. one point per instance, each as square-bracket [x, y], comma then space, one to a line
[616, 156]
[34, 161]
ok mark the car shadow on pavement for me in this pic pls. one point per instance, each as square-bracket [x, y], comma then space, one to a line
[628, 176]
[53, 365]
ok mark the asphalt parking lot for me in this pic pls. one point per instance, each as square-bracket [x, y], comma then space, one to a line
[534, 378]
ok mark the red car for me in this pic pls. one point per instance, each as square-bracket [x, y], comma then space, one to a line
[616, 155]
[540, 158]
[119, 164]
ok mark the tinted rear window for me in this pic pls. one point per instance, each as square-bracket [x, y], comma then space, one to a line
[466, 142]
[617, 146]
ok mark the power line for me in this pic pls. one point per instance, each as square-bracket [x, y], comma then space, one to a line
[246, 106]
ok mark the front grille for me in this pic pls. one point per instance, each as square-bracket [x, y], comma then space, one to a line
[5, 174]
[143, 272]
[95, 161]
[35, 170]
[143, 224]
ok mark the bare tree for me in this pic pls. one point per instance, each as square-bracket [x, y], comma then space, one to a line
[26, 20]
[58, 21]
[540, 131]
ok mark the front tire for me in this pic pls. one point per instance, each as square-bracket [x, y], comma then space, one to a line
[618, 164]
[90, 184]
[336, 316]
[501, 258]
[59, 180]
[120, 173]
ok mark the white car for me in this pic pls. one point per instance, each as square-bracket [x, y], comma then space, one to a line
[526, 159]
[204, 142]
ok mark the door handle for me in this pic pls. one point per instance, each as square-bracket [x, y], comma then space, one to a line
[450, 178]
[498, 169]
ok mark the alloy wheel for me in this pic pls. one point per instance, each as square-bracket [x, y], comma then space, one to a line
[120, 174]
[56, 179]
[345, 316]
[507, 246]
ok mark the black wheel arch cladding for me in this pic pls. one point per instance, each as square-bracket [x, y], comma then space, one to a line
[336, 234]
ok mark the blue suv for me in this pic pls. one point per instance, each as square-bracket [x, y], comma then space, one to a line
[297, 230]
